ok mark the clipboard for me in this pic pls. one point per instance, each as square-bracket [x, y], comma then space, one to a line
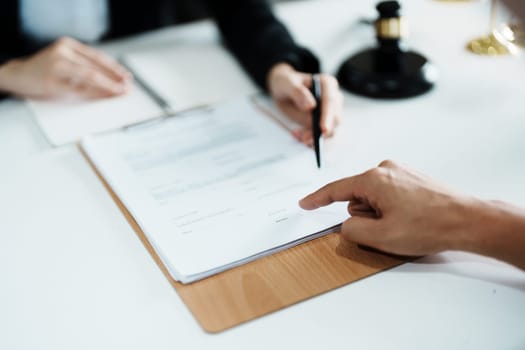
[271, 283]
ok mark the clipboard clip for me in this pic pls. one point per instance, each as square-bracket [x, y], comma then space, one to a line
[160, 118]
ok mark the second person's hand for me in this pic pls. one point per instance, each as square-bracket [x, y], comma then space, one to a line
[290, 90]
[65, 67]
[398, 210]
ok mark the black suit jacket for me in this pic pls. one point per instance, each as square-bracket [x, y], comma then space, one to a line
[249, 29]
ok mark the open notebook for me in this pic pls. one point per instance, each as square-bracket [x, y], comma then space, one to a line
[183, 76]
[214, 188]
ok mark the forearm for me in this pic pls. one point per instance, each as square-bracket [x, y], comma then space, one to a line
[258, 39]
[11, 80]
[6, 69]
[494, 229]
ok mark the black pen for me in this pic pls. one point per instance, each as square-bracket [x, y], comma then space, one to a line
[154, 95]
[316, 118]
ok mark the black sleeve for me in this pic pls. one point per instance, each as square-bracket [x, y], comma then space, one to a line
[4, 58]
[258, 39]
[11, 45]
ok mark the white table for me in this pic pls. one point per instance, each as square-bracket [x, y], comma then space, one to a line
[73, 275]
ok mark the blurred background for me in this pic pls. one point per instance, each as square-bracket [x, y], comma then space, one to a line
[182, 11]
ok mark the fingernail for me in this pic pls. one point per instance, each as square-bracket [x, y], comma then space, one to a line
[308, 139]
[304, 103]
[308, 103]
[296, 134]
[307, 206]
[127, 76]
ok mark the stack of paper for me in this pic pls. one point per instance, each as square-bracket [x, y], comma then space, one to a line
[215, 188]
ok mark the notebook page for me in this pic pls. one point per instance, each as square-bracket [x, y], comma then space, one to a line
[186, 76]
[69, 119]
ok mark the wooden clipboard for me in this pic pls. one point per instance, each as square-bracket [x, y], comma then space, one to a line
[271, 283]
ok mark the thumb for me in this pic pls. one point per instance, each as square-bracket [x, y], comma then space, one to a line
[300, 95]
[362, 230]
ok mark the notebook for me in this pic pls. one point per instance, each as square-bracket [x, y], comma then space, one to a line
[67, 119]
[183, 76]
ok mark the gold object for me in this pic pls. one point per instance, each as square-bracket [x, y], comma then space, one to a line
[492, 44]
[391, 28]
[488, 45]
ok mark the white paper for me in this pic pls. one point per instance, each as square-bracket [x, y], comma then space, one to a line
[186, 75]
[267, 104]
[69, 119]
[216, 188]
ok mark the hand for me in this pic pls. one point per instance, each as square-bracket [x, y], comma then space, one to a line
[290, 90]
[65, 67]
[397, 210]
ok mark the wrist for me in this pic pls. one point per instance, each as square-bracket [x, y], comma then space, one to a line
[466, 217]
[7, 71]
[495, 229]
[472, 215]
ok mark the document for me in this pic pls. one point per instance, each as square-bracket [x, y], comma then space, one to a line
[68, 119]
[214, 188]
[268, 106]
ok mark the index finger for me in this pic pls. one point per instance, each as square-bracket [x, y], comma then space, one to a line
[111, 67]
[338, 191]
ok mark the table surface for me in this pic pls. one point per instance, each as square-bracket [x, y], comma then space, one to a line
[74, 275]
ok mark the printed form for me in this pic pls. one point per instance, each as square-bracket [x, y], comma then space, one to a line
[214, 188]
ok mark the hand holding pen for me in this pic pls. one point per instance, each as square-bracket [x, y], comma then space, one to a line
[291, 92]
